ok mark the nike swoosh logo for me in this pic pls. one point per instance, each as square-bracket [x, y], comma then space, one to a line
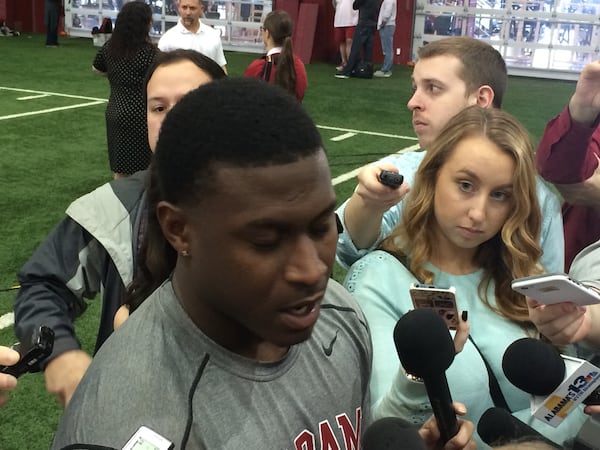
[329, 349]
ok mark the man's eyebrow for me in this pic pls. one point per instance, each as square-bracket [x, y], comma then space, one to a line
[268, 222]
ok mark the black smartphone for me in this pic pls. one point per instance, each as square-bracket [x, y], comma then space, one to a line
[33, 350]
[391, 179]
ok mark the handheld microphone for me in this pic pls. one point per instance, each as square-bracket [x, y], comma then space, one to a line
[557, 382]
[392, 433]
[426, 350]
[499, 427]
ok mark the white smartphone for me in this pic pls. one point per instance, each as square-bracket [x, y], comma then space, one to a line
[550, 288]
[146, 439]
[440, 300]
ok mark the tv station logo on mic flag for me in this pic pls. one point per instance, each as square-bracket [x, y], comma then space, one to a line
[581, 379]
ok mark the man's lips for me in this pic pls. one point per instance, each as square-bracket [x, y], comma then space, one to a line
[302, 315]
[306, 305]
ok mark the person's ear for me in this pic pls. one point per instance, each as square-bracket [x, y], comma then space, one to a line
[174, 226]
[485, 96]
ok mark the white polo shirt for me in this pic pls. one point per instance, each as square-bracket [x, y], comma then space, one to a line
[206, 40]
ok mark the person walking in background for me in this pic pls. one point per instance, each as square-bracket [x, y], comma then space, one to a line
[344, 23]
[51, 20]
[386, 24]
[190, 33]
[362, 40]
[125, 59]
[280, 66]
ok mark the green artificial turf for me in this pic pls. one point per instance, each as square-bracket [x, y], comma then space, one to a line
[47, 160]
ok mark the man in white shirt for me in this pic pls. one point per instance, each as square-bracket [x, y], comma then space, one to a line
[191, 33]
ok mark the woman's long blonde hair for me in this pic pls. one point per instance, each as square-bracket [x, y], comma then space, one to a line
[514, 252]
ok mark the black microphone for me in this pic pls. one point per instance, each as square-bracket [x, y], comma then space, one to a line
[537, 368]
[392, 433]
[426, 350]
[499, 427]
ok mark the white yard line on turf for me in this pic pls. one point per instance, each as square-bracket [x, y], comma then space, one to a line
[370, 133]
[81, 97]
[33, 97]
[50, 110]
[353, 173]
[7, 320]
[341, 137]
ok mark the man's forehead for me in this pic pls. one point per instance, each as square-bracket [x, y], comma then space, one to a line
[439, 67]
[190, 2]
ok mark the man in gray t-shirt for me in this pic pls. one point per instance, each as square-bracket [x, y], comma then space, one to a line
[245, 343]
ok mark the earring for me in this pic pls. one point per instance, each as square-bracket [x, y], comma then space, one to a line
[184, 253]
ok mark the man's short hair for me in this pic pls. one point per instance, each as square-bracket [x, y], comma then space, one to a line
[482, 64]
[240, 122]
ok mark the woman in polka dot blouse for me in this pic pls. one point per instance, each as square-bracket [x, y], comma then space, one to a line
[124, 59]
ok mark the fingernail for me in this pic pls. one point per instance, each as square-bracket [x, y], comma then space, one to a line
[464, 316]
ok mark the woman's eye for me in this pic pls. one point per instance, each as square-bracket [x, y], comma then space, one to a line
[465, 186]
[500, 195]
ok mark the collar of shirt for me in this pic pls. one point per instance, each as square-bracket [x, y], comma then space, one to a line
[273, 51]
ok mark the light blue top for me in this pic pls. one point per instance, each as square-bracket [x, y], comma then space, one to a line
[380, 284]
[551, 238]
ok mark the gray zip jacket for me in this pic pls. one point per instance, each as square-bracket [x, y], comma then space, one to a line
[91, 251]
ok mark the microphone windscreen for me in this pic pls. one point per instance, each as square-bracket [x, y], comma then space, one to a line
[498, 427]
[423, 343]
[533, 366]
[392, 433]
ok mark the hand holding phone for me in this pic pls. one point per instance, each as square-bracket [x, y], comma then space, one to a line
[440, 300]
[551, 288]
[33, 350]
[391, 179]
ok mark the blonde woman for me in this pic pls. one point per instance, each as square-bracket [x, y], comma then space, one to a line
[471, 221]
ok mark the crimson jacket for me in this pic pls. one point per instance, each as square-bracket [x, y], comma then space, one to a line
[259, 69]
[567, 155]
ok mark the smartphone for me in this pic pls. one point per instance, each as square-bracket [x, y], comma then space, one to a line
[146, 439]
[391, 179]
[550, 288]
[33, 350]
[440, 300]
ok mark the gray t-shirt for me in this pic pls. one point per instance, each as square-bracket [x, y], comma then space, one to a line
[159, 370]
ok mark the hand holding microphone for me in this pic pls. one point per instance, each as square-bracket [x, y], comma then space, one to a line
[499, 427]
[394, 433]
[538, 368]
[426, 350]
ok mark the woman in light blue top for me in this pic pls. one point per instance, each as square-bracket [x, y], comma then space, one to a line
[472, 221]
